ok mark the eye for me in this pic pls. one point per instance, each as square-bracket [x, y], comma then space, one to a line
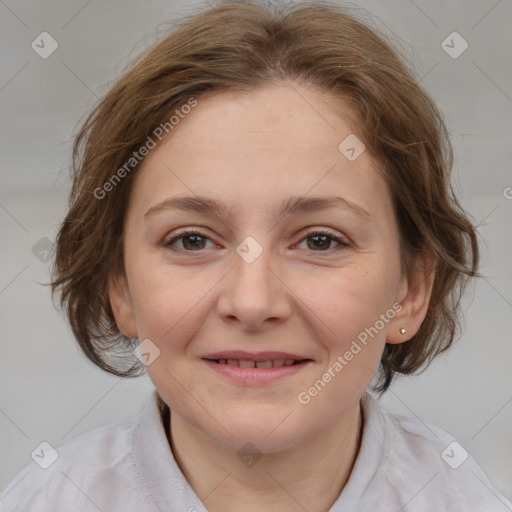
[321, 241]
[195, 241]
[192, 241]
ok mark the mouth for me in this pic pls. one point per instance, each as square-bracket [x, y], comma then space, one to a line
[247, 363]
[250, 368]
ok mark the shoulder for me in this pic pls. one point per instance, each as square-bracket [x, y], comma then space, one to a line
[428, 467]
[71, 475]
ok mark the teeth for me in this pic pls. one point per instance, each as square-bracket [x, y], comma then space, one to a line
[243, 363]
[246, 364]
[264, 364]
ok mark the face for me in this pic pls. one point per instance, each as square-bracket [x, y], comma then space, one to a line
[298, 262]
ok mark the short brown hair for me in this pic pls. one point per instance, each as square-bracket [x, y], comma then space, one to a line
[243, 46]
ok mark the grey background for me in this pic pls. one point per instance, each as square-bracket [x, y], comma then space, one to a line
[49, 392]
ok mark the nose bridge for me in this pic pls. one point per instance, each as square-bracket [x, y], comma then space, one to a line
[252, 264]
[254, 293]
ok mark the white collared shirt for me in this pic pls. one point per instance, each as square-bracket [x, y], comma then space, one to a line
[403, 464]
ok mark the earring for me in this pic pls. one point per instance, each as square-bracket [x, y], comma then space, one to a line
[402, 331]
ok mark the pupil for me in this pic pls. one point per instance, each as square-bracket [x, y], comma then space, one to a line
[324, 240]
[197, 239]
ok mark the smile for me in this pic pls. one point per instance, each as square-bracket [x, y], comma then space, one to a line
[246, 363]
[250, 369]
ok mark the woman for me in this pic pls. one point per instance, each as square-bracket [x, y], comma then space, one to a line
[262, 202]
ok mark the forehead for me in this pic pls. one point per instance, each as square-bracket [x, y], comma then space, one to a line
[273, 116]
[256, 147]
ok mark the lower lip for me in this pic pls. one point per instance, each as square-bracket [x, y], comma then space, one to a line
[255, 375]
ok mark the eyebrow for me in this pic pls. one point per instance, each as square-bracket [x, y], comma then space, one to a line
[293, 206]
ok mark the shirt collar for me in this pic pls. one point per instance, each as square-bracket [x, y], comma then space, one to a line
[165, 483]
[368, 473]
[167, 486]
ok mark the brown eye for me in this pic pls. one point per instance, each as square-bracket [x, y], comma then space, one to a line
[322, 241]
[192, 241]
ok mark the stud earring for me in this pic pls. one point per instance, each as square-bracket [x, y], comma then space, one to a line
[402, 331]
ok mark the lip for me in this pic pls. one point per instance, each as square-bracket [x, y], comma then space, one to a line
[251, 356]
[255, 376]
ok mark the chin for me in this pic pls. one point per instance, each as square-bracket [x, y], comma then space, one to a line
[267, 432]
[259, 439]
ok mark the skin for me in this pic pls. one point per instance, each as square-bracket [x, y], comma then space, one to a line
[252, 152]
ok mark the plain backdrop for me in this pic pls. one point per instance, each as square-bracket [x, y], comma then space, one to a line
[50, 392]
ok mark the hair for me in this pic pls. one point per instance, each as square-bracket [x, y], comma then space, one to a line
[242, 46]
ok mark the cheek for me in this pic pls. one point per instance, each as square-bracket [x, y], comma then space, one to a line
[351, 300]
[169, 303]
[350, 327]
[352, 317]
[170, 309]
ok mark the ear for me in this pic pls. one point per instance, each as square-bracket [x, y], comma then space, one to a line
[414, 298]
[122, 307]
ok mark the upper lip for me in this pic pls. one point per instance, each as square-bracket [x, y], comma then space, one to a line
[250, 356]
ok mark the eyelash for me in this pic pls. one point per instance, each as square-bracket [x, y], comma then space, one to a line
[309, 234]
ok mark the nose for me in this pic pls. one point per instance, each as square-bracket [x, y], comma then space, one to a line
[253, 294]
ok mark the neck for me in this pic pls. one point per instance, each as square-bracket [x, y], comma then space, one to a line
[308, 476]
